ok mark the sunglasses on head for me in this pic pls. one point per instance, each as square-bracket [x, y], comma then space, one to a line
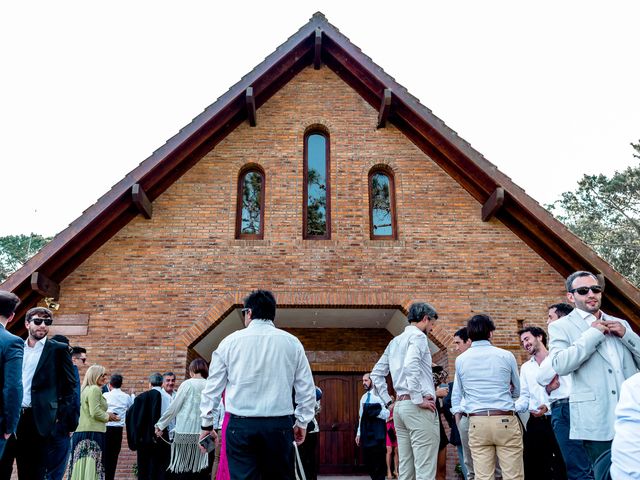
[585, 290]
[38, 321]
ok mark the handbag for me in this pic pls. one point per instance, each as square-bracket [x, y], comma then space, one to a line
[391, 431]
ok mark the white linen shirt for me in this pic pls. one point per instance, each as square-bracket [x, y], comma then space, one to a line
[532, 395]
[118, 402]
[625, 449]
[373, 398]
[545, 376]
[259, 367]
[29, 364]
[408, 359]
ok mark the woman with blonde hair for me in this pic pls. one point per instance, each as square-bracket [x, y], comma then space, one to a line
[88, 440]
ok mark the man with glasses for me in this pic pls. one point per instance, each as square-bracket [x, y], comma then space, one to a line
[599, 352]
[49, 384]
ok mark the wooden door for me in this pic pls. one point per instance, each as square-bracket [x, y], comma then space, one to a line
[338, 420]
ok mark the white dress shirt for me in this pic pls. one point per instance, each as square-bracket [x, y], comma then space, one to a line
[408, 359]
[166, 400]
[371, 397]
[29, 364]
[259, 367]
[118, 402]
[532, 395]
[486, 377]
[625, 449]
[545, 376]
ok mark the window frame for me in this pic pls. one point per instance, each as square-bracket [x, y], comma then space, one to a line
[305, 187]
[385, 170]
[244, 171]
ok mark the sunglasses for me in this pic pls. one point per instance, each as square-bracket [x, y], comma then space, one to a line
[585, 290]
[38, 321]
[244, 310]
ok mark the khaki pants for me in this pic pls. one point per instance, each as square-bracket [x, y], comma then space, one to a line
[499, 435]
[418, 435]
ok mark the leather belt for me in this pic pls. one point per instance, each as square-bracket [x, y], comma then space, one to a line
[560, 401]
[405, 396]
[492, 413]
[464, 414]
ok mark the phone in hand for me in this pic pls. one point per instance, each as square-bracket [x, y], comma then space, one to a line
[208, 443]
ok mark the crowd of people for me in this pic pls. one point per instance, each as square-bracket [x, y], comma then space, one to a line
[572, 411]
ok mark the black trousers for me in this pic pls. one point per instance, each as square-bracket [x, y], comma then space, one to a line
[260, 448]
[153, 461]
[29, 450]
[375, 460]
[308, 455]
[112, 446]
[542, 456]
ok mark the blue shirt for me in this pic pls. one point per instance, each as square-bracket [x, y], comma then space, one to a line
[487, 378]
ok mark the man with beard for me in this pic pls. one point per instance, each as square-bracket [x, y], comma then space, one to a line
[542, 458]
[600, 352]
[371, 433]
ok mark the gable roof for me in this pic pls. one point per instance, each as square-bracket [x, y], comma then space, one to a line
[519, 212]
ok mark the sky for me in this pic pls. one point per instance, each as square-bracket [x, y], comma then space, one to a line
[545, 90]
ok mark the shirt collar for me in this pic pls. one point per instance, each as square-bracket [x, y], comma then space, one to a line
[480, 343]
[42, 341]
[260, 321]
[411, 326]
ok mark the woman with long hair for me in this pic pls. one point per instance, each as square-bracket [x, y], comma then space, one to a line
[88, 440]
[187, 461]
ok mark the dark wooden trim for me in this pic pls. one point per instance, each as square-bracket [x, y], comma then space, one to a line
[45, 286]
[251, 106]
[317, 50]
[493, 204]
[141, 201]
[384, 169]
[252, 167]
[385, 108]
[325, 133]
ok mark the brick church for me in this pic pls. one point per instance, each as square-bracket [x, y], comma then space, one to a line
[321, 178]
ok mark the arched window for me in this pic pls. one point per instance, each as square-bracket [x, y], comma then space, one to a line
[250, 209]
[317, 192]
[382, 209]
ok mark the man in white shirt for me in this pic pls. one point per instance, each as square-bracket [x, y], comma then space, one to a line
[408, 359]
[558, 387]
[542, 457]
[371, 434]
[625, 449]
[118, 402]
[259, 367]
[599, 352]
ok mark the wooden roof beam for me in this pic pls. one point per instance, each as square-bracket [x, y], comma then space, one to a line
[493, 204]
[385, 108]
[251, 106]
[45, 286]
[141, 201]
[317, 60]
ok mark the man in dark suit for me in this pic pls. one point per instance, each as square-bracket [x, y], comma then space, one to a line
[11, 351]
[153, 452]
[372, 430]
[49, 384]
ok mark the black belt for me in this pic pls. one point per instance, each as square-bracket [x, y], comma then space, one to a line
[24, 409]
[281, 417]
[559, 402]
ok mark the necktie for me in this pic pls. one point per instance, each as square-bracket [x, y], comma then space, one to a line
[368, 397]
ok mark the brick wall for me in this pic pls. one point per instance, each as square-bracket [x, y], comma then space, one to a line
[156, 279]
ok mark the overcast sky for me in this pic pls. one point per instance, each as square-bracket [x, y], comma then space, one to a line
[546, 90]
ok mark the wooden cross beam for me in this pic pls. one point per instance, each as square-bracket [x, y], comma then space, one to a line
[385, 108]
[141, 201]
[493, 204]
[251, 106]
[317, 61]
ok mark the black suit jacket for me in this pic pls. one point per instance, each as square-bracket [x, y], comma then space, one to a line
[53, 390]
[142, 418]
[372, 429]
[11, 353]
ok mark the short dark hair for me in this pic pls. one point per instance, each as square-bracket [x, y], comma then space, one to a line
[77, 351]
[155, 379]
[199, 366]
[580, 273]
[168, 374]
[61, 339]
[418, 310]
[43, 312]
[116, 380]
[462, 333]
[479, 327]
[8, 303]
[535, 331]
[262, 304]
[562, 309]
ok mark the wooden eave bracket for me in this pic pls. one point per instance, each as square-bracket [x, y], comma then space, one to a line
[493, 204]
[251, 106]
[141, 201]
[317, 60]
[385, 108]
[45, 286]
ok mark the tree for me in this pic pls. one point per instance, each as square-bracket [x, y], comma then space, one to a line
[15, 250]
[605, 213]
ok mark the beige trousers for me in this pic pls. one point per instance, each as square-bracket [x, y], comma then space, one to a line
[499, 435]
[418, 435]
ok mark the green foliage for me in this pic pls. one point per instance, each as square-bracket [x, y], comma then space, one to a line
[605, 213]
[15, 250]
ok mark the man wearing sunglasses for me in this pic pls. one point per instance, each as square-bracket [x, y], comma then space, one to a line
[599, 352]
[49, 383]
